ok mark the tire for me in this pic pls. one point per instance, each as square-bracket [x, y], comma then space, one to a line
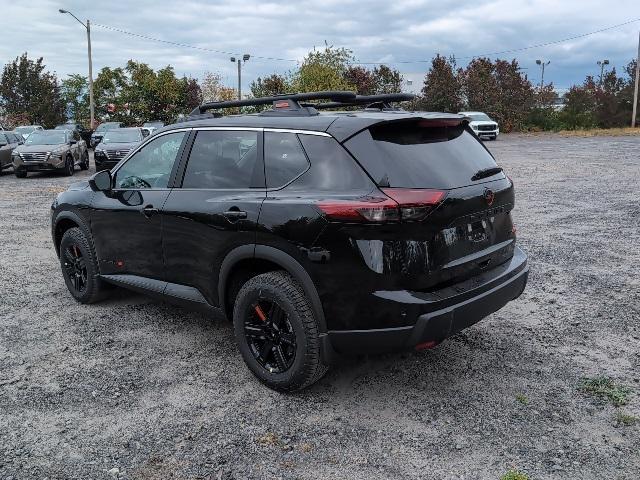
[69, 167]
[21, 173]
[84, 164]
[293, 361]
[76, 255]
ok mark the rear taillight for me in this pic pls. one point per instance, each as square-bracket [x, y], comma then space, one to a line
[398, 204]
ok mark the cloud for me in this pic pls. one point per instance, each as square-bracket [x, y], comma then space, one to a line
[376, 31]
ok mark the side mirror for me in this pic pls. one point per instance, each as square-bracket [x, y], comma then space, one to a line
[101, 181]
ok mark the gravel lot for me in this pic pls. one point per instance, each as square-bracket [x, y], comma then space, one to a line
[132, 388]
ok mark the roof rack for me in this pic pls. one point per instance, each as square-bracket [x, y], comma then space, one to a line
[288, 101]
[289, 104]
[379, 102]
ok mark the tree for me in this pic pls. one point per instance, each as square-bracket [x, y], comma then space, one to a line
[480, 86]
[324, 70]
[75, 95]
[362, 79]
[212, 87]
[28, 90]
[137, 93]
[268, 86]
[442, 90]
[387, 80]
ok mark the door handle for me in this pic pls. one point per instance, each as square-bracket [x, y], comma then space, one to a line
[148, 211]
[234, 214]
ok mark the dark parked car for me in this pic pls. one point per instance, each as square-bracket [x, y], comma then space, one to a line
[319, 234]
[116, 145]
[9, 141]
[85, 133]
[51, 150]
[96, 137]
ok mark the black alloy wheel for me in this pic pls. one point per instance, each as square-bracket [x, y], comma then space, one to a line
[75, 267]
[277, 332]
[270, 336]
[69, 167]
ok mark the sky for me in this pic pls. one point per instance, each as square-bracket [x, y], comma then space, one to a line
[405, 34]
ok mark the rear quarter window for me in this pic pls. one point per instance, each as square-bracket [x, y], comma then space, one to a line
[332, 168]
[284, 158]
[421, 154]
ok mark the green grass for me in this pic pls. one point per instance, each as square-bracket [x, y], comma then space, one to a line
[625, 419]
[522, 399]
[605, 387]
[514, 475]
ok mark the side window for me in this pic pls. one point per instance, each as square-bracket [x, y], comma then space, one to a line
[221, 159]
[284, 158]
[332, 168]
[151, 167]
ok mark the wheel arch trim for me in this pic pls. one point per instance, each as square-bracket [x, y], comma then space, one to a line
[280, 258]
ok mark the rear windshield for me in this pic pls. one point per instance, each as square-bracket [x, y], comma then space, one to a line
[421, 154]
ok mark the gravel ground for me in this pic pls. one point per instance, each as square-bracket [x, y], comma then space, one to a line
[132, 388]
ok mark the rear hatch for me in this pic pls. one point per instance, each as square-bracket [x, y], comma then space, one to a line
[446, 216]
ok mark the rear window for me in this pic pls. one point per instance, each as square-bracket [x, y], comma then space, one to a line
[421, 154]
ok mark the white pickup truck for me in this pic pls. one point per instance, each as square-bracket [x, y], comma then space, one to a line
[482, 125]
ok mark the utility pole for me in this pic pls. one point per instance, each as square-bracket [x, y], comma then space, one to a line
[87, 26]
[635, 91]
[602, 65]
[239, 61]
[543, 64]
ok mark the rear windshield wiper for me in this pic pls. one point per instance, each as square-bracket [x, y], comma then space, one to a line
[486, 172]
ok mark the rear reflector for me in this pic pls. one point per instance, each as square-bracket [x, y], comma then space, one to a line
[399, 204]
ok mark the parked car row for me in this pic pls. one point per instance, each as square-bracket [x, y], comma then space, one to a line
[30, 148]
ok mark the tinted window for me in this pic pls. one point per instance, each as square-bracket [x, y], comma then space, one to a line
[151, 167]
[222, 159]
[421, 154]
[332, 168]
[284, 158]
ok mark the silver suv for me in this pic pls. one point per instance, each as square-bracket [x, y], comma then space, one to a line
[51, 150]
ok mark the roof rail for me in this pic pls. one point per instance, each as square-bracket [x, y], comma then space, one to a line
[287, 101]
[380, 102]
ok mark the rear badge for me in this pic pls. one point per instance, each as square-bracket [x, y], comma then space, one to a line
[489, 196]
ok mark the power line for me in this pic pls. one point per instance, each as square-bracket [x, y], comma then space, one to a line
[211, 50]
[546, 44]
[186, 45]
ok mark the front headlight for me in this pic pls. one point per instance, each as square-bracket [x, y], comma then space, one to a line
[475, 127]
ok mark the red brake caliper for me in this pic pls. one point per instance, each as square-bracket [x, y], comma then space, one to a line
[260, 313]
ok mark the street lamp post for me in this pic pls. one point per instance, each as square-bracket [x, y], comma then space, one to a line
[244, 58]
[87, 26]
[602, 65]
[543, 64]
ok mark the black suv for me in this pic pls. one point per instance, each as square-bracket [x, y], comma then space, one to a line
[317, 233]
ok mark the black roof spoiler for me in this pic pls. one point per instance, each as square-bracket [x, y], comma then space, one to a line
[290, 103]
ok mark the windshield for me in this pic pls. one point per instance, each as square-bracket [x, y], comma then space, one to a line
[46, 138]
[24, 129]
[103, 127]
[479, 117]
[121, 135]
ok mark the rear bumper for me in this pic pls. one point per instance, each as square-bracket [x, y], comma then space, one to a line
[440, 314]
